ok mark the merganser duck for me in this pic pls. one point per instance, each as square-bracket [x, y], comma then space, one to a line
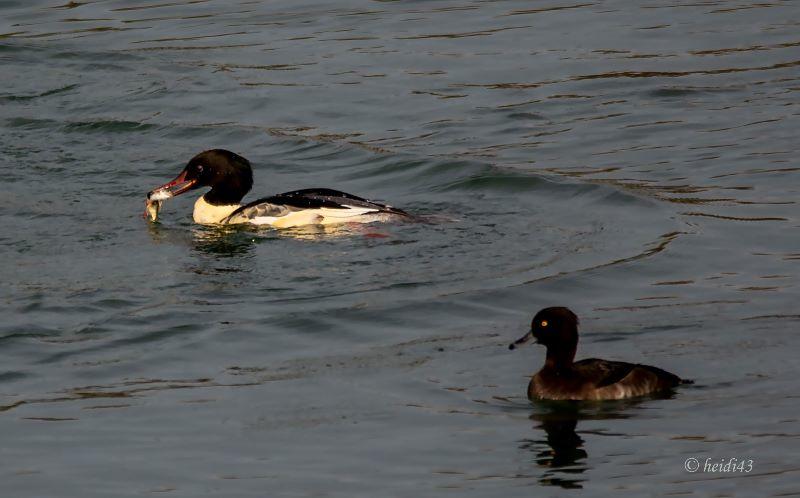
[591, 379]
[230, 177]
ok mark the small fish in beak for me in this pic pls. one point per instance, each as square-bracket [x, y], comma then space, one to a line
[151, 209]
[182, 183]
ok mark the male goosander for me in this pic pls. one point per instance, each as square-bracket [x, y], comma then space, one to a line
[591, 379]
[230, 177]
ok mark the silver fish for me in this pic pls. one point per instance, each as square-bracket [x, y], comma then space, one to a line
[151, 209]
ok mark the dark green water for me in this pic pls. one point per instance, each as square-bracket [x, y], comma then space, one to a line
[635, 161]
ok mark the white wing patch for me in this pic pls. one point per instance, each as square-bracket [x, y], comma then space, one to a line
[350, 215]
[281, 216]
[320, 216]
[294, 219]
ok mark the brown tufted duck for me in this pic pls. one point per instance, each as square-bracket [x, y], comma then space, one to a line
[561, 378]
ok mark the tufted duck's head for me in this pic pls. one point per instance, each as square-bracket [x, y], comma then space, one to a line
[555, 328]
[551, 327]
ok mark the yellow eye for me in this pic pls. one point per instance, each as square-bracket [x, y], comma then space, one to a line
[544, 323]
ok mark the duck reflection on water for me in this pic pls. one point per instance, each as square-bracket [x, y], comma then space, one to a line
[239, 240]
[562, 453]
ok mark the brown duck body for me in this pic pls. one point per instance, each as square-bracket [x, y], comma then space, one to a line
[562, 378]
[594, 379]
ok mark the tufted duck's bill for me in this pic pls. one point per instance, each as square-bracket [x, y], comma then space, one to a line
[522, 340]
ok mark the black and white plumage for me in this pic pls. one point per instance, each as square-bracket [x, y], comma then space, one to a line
[320, 206]
[230, 178]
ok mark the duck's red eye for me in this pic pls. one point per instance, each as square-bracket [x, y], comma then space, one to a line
[544, 323]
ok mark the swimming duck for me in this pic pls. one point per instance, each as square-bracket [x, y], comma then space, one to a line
[230, 177]
[561, 378]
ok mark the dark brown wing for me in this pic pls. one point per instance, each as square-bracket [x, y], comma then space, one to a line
[603, 372]
[664, 377]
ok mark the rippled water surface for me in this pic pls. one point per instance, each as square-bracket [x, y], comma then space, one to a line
[635, 161]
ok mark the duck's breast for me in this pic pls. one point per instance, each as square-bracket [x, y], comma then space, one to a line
[209, 214]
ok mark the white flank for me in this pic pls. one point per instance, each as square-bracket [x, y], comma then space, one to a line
[322, 216]
[208, 214]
